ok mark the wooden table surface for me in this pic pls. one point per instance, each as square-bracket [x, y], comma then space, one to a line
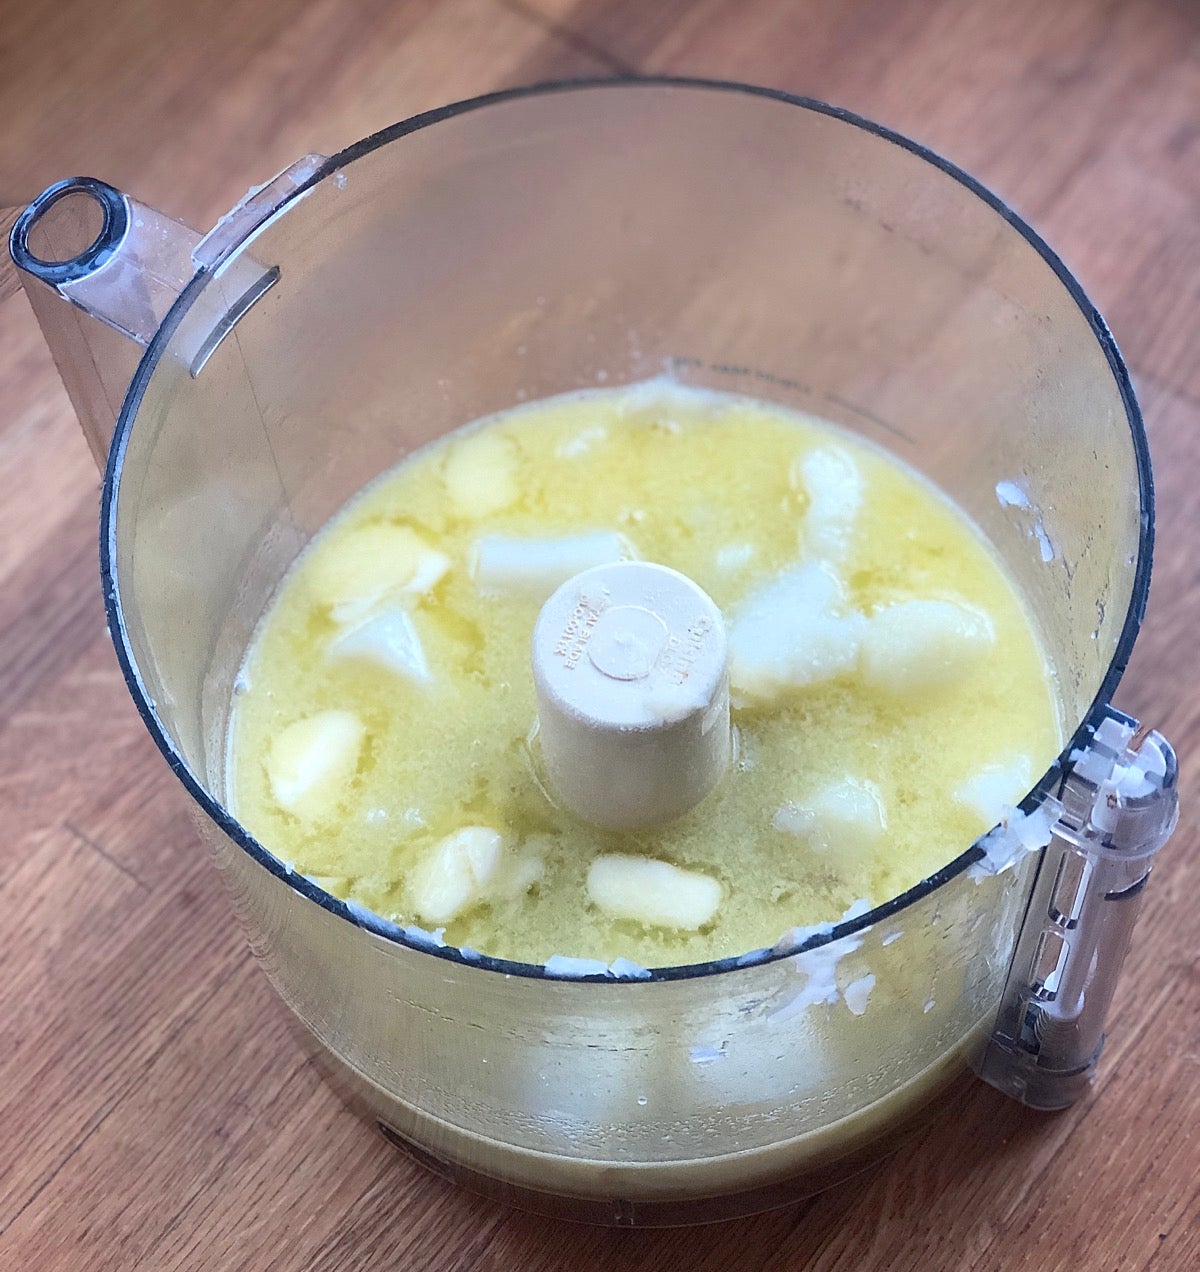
[154, 1112]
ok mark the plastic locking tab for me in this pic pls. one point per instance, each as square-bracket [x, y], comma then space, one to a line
[1119, 806]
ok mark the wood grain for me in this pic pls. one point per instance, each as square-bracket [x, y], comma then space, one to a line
[153, 1110]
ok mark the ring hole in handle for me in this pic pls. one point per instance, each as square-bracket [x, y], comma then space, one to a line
[70, 230]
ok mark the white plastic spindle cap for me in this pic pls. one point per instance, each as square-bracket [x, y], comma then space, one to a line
[630, 666]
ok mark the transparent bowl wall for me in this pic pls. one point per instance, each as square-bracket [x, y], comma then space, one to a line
[549, 241]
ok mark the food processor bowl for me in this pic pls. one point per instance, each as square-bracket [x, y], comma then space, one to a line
[569, 236]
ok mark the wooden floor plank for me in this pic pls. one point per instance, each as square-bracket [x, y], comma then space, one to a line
[96, 978]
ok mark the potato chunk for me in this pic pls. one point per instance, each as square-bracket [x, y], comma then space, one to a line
[996, 787]
[388, 640]
[353, 575]
[834, 485]
[791, 633]
[652, 892]
[535, 567]
[454, 876]
[311, 761]
[915, 647]
[845, 819]
[480, 474]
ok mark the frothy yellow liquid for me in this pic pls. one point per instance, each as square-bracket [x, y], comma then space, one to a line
[360, 757]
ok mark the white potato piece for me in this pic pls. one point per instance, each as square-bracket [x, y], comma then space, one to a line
[536, 567]
[389, 640]
[652, 892]
[915, 647]
[734, 556]
[517, 875]
[354, 574]
[834, 485]
[480, 474]
[996, 788]
[845, 819]
[791, 634]
[585, 440]
[522, 868]
[455, 874]
[311, 761]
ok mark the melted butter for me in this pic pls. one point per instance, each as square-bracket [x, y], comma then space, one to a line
[706, 484]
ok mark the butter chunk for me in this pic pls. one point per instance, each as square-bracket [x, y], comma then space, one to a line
[480, 474]
[310, 762]
[518, 875]
[388, 640]
[536, 567]
[845, 819]
[652, 892]
[834, 485]
[353, 575]
[996, 788]
[791, 633]
[917, 646]
[455, 875]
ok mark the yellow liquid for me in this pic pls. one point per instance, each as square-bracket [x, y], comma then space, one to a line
[706, 484]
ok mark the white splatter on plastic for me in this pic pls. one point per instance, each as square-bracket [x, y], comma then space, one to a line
[818, 965]
[575, 968]
[367, 918]
[857, 993]
[1010, 494]
[420, 936]
[1017, 835]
